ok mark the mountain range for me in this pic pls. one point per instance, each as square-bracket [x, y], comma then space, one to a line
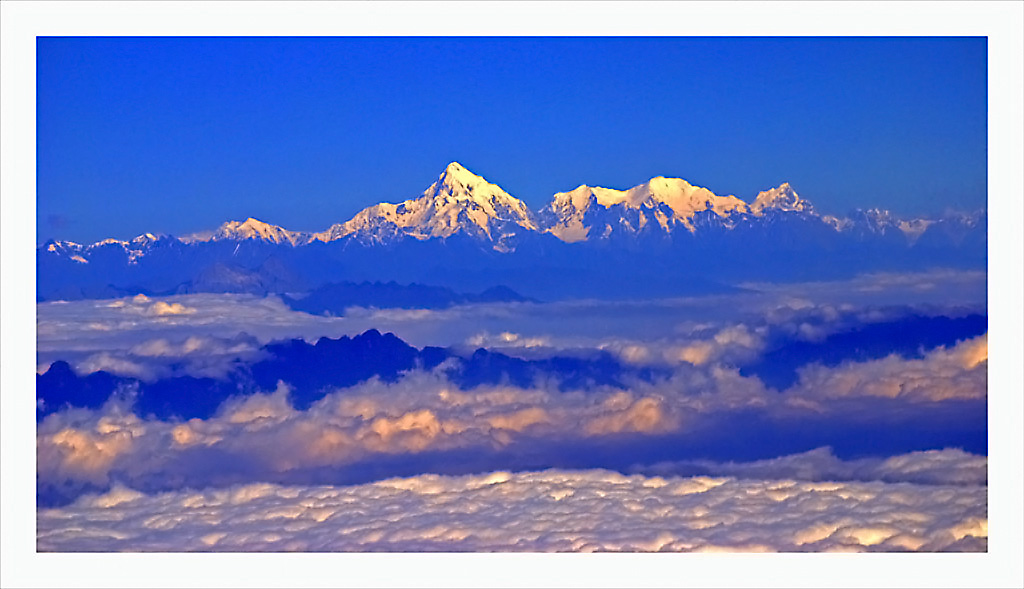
[312, 369]
[665, 236]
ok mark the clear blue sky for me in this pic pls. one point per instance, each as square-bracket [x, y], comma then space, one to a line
[175, 135]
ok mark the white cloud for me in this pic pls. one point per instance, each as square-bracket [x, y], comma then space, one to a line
[117, 365]
[263, 432]
[958, 372]
[121, 325]
[935, 286]
[624, 414]
[66, 452]
[264, 436]
[530, 511]
[733, 343]
[666, 327]
[950, 466]
[199, 356]
[161, 308]
[507, 339]
[261, 437]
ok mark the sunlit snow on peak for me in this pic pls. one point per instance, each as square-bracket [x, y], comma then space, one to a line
[255, 229]
[665, 202]
[783, 198]
[458, 202]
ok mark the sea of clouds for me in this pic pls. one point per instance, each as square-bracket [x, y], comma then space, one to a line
[552, 510]
[503, 467]
[263, 437]
[143, 337]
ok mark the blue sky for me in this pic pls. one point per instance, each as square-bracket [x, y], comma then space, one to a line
[176, 135]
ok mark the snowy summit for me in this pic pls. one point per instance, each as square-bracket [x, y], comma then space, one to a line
[459, 201]
[669, 202]
[256, 229]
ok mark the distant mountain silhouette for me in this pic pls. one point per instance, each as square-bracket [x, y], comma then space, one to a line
[314, 370]
[272, 275]
[664, 237]
[335, 297]
[59, 387]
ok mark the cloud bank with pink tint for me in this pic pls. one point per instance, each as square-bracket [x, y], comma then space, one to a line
[552, 510]
[259, 461]
[424, 412]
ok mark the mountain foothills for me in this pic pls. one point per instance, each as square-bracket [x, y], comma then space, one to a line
[313, 369]
[662, 238]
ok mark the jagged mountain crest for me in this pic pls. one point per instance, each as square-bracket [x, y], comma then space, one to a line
[667, 202]
[133, 248]
[459, 201]
[462, 203]
[782, 198]
[255, 229]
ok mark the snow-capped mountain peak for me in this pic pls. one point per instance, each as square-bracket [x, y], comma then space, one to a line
[459, 201]
[255, 229]
[681, 196]
[686, 199]
[883, 222]
[665, 201]
[458, 183]
[144, 240]
[57, 246]
[782, 198]
[456, 176]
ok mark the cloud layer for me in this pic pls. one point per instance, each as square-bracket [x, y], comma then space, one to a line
[262, 436]
[552, 510]
[693, 329]
[931, 467]
[696, 396]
